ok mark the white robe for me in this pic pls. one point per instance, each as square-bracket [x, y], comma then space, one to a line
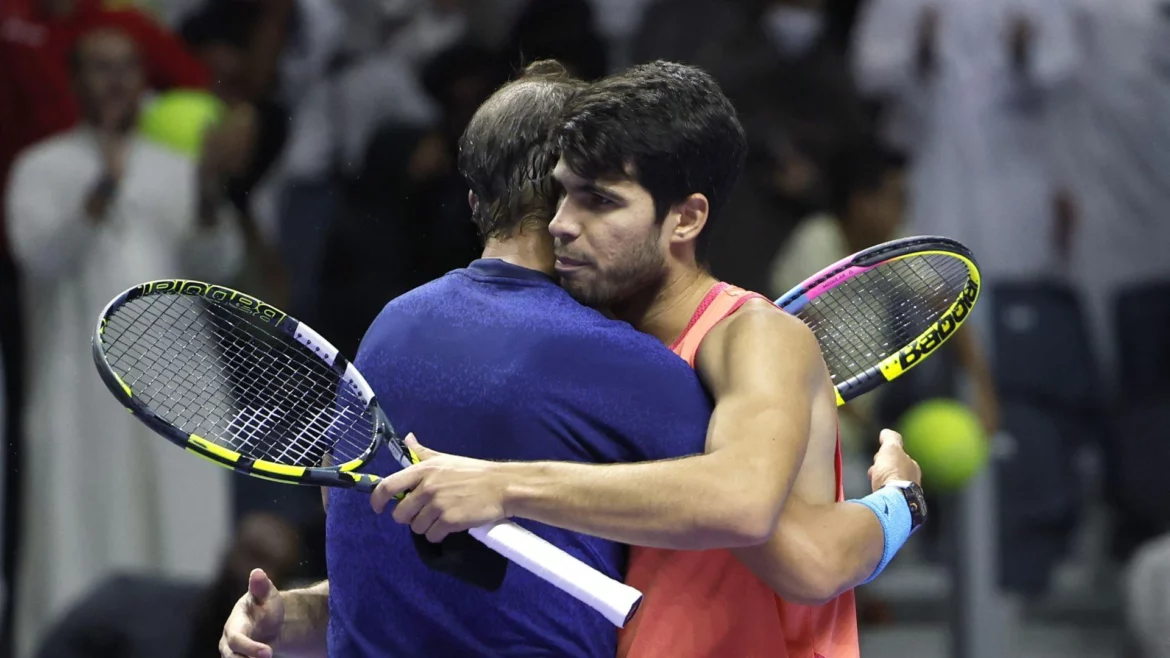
[104, 493]
[1115, 136]
[983, 169]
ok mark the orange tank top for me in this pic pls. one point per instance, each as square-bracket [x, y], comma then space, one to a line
[706, 604]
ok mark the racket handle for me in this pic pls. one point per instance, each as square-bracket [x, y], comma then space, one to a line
[616, 601]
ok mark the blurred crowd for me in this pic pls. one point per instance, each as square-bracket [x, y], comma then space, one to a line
[1037, 132]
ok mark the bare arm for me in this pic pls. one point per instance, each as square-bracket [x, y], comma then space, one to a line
[306, 622]
[764, 368]
[761, 367]
[820, 551]
[295, 622]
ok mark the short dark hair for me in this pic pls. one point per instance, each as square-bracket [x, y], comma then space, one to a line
[860, 168]
[505, 152]
[74, 54]
[665, 125]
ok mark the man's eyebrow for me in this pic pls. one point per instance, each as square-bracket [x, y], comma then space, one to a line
[579, 184]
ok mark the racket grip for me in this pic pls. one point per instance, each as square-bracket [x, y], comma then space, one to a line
[616, 601]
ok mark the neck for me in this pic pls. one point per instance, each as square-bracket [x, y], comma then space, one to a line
[665, 311]
[529, 247]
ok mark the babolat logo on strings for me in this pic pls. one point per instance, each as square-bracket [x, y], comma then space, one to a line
[942, 330]
[220, 294]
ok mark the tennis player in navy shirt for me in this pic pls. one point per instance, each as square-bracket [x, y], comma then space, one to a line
[496, 361]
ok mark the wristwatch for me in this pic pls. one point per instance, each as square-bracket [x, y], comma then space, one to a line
[915, 499]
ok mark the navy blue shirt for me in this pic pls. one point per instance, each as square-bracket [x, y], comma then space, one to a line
[497, 362]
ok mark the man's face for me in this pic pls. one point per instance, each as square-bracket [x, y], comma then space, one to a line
[878, 212]
[109, 80]
[608, 243]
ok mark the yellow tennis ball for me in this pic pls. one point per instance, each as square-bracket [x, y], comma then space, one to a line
[177, 119]
[947, 440]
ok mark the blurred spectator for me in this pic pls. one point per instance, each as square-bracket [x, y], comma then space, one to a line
[241, 42]
[968, 89]
[972, 90]
[36, 98]
[1114, 138]
[564, 30]
[36, 102]
[409, 221]
[618, 22]
[92, 212]
[795, 98]
[692, 31]
[867, 206]
[334, 124]
[130, 616]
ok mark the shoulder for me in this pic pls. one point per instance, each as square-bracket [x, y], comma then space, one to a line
[586, 335]
[48, 154]
[760, 333]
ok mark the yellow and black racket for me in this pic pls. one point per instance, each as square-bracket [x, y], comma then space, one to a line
[240, 383]
[881, 311]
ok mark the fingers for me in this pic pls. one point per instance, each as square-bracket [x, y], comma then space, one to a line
[259, 586]
[393, 486]
[438, 531]
[420, 452]
[889, 437]
[236, 641]
[236, 645]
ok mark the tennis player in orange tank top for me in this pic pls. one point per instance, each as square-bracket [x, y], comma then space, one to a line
[647, 158]
[707, 603]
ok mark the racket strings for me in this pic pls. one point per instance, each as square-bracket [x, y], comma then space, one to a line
[875, 314]
[213, 371]
[245, 432]
[185, 348]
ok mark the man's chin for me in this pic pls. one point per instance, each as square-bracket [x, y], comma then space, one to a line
[582, 294]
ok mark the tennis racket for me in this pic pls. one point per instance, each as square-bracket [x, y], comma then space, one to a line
[883, 310]
[238, 382]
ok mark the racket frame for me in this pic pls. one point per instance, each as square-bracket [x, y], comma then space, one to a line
[898, 363]
[341, 475]
[613, 599]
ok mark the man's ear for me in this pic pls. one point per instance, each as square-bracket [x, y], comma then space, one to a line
[692, 218]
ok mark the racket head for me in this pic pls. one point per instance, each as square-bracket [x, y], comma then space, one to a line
[240, 383]
[880, 312]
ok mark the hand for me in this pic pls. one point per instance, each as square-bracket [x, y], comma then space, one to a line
[227, 145]
[892, 463]
[926, 54]
[254, 626]
[446, 493]
[114, 148]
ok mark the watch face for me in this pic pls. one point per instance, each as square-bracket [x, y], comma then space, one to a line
[917, 501]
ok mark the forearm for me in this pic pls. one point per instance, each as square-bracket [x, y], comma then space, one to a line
[306, 622]
[972, 359]
[695, 503]
[818, 551]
